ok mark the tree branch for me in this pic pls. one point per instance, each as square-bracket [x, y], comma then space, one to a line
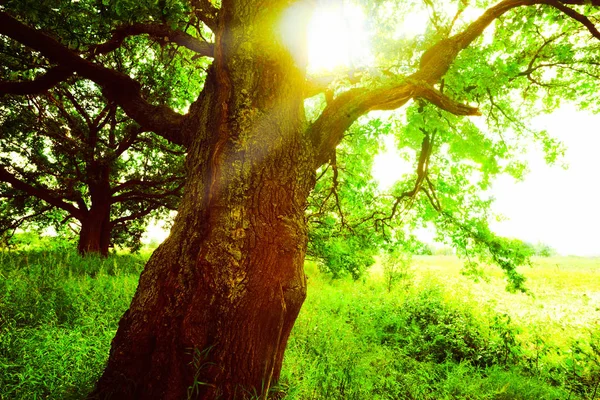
[139, 196]
[19, 221]
[158, 32]
[138, 183]
[582, 19]
[327, 131]
[39, 85]
[422, 175]
[444, 102]
[116, 86]
[136, 215]
[206, 12]
[41, 193]
[132, 132]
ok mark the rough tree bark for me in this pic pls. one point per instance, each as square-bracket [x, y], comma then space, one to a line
[218, 299]
[94, 236]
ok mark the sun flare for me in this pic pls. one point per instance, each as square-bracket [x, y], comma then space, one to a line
[337, 37]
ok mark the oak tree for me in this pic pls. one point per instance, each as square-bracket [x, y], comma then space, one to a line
[70, 159]
[217, 300]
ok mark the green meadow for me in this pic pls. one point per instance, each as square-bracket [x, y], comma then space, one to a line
[432, 333]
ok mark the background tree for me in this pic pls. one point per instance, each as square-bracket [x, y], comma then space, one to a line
[228, 282]
[69, 155]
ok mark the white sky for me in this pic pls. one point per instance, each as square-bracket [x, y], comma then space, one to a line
[336, 37]
[556, 206]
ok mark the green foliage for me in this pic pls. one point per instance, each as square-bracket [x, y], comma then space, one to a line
[31, 240]
[477, 240]
[84, 155]
[58, 312]
[511, 78]
[454, 161]
[71, 143]
[344, 203]
[582, 367]
[344, 255]
[430, 328]
[396, 267]
[541, 249]
[356, 341]
[528, 62]
[199, 362]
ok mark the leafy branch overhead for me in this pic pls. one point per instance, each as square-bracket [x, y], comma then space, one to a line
[326, 132]
[182, 36]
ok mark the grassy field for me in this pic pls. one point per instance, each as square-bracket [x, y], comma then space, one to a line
[435, 335]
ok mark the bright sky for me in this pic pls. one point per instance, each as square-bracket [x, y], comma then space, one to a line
[552, 205]
[336, 37]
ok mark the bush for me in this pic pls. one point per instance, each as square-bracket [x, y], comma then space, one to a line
[396, 265]
[429, 328]
[341, 256]
[352, 341]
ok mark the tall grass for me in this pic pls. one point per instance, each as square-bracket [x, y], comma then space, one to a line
[357, 341]
[58, 314]
[435, 336]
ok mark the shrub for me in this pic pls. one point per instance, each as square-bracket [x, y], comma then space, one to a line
[429, 328]
[341, 256]
[396, 265]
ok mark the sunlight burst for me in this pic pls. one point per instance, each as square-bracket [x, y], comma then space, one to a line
[337, 38]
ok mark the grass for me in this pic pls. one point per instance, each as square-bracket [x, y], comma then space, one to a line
[435, 335]
[439, 335]
[564, 296]
[58, 314]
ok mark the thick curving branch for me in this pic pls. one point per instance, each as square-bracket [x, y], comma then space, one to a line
[327, 131]
[47, 81]
[206, 13]
[442, 101]
[582, 19]
[41, 193]
[157, 32]
[116, 86]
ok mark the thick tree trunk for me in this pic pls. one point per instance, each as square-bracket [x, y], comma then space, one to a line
[217, 300]
[94, 236]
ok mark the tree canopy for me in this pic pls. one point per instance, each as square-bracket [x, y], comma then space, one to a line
[510, 78]
[71, 154]
[68, 155]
